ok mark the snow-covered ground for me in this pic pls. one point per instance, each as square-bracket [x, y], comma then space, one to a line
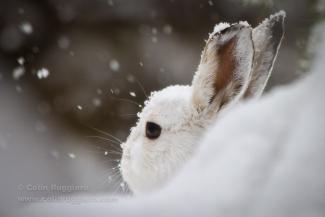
[264, 158]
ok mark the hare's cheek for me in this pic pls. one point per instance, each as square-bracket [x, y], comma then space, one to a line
[126, 171]
[136, 150]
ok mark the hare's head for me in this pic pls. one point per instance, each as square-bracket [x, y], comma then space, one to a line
[235, 64]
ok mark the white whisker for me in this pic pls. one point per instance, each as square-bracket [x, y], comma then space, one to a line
[122, 115]
[141, 87]
[126, 100]
[103, 138]
[107, 134]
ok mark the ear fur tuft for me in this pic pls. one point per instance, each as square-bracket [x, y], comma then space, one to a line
[224, 68]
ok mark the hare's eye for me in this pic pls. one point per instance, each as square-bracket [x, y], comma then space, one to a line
[153, 130]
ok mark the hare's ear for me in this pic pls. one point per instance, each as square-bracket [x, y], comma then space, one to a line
[224, 70]
[267, 39]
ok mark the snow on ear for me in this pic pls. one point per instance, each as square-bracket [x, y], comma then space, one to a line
[267, 39]
[225, 66]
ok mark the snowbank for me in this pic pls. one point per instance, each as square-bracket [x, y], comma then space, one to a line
[264, 158]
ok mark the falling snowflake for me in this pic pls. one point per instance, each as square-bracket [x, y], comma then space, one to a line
[72, 155]
[79, 107]
[167, 29]
[154, 39]
[21, 60]
[106, 153]
[110, 2]
[43, 73]
[26, 28]
[18, 72]
[21, 10]
[97, 102]
[19, 89]
[130, 78]
[63, 42]
[99, 91]
[132, 94]
[320, 7]
[141, 64]
[114, 65]
[154, 31]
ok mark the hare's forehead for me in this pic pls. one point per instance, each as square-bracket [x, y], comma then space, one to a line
[169, 105]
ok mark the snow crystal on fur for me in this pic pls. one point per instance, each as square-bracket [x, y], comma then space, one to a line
[219, 27]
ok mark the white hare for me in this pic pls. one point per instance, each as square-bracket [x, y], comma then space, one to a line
[235, 65]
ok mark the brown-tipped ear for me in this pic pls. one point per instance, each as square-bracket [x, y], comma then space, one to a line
[267, 39]
[224, 70]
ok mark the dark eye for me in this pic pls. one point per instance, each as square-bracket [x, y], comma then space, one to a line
[153, 130]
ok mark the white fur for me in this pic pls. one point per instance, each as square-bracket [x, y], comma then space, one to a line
[185, 112]
[146, 164]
